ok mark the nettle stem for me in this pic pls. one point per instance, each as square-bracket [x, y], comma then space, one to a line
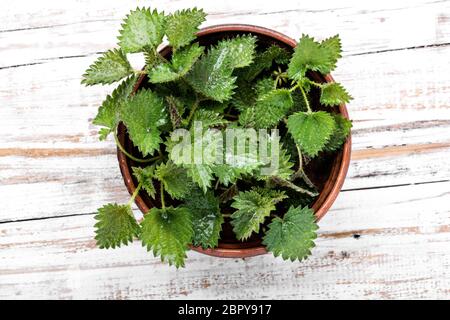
[194, 108]
[135, 193]
[300, 173]
[139, 72]
[163, 204]
[305, 97]
[119, 145]
[289, 184]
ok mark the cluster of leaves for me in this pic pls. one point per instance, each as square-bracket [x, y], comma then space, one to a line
[235, 83]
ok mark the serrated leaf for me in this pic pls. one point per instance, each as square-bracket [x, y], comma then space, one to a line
[340, 133]
[209, 118]
[269, 108]
[110, 67]
[309, 55]
[142, 30]
[143, 114]
[264, 86]
[201, 174]
[206, 217]
[116, 226]
[212, 76]
[151, 59]
[167, 233]
[311, 131]
[183, 25]
[175, 180]
[245, 95]
[252, 208]
[231, 174]
[144, 177]
[333, 46]
[284, 167]
[215, 106]
[293, 236]
[333, 94]
[264, 61]
[272, 107]
[109, 112]
[182, 62]
[238, 51]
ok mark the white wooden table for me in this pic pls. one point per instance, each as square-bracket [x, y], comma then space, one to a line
[387, 235]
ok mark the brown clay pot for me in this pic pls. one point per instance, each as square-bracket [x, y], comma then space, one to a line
[329, 175]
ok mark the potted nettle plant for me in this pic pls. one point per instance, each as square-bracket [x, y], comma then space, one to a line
[233, 140]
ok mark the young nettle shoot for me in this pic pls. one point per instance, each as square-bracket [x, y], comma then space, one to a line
[224, 134]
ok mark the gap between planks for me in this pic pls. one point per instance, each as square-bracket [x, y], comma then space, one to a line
[390, 151]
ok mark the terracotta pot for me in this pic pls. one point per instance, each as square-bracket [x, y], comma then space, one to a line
[332, 171]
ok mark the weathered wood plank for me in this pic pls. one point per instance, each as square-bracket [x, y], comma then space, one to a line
[89, 28]
[26, 14]
[404, 254]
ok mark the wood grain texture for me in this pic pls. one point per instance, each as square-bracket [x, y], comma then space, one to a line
[54, 172]
[90, 28]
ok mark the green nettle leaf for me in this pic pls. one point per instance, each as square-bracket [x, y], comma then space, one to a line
[309, 55]
[272, 107]
[145, 176]
[206, 218]
[245, 95]
[237, 165]
[238, 51]
[247, 92]
[182, 62]
[109, 112]
[264, 61]
[215, 106]
[209, 118]
[283, 169]
[334, 94]
[167, 233]
[116, 226]
[333, 46]
[340, 133]
[142, 29]
[212, 76]
[252, 208]
[109, 67]
[151, 59]
[201, 174]
[293, 236]
[175, 180]
[182, 26]
[143, 114]
[227, 173]
[264, 86]
[311, 130]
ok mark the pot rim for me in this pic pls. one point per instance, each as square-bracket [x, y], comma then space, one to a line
[330, 190]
